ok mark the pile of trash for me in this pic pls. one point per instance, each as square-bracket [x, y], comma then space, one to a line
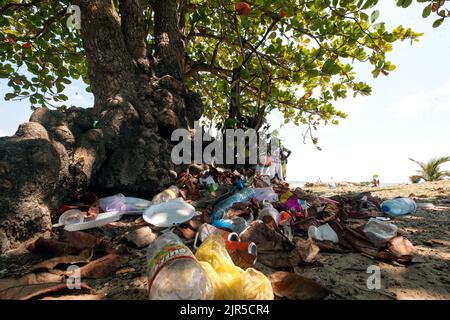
[207, 235]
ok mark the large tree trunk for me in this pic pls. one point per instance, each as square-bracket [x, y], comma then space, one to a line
[57, 156]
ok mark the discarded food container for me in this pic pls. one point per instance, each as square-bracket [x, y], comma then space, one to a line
[380, 232]
[231, 282]
[169, 214]
[205, 230]
[323, 233]
[399, 207]
[71, 216]
[174, 273]
[170, 193]
[99, 220]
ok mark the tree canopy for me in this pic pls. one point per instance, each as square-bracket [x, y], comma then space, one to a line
[244, 58]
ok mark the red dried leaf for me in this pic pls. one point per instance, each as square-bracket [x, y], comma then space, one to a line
[103, 267]
[296, 287]
[27, 292]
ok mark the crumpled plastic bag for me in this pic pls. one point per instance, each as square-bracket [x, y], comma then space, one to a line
[231, 282]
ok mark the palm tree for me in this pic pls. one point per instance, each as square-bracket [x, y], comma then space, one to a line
[431, 171]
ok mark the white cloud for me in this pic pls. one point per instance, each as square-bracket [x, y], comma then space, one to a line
[422, 102]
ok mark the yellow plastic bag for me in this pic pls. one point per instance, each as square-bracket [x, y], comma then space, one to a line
[231, 282]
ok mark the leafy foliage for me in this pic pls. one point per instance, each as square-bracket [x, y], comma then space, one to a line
[431, 171]
[305, 58]
[296, 56]
[39, 54]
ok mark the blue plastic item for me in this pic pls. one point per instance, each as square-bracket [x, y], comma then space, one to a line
[399, 207]
[221, 208]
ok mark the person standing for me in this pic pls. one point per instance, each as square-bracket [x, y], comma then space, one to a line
[285, 154]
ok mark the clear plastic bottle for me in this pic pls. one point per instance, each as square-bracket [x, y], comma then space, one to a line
[269, 210]
[399, 206]
[169, 194]
[174, 273]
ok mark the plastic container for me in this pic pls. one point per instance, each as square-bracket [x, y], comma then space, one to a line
[174, 273]
[269, 210]
[99, 220]
[399, 207]
[169, 214]
[380, 232]
[169, 194]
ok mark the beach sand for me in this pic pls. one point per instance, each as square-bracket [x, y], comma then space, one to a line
[428, 230]
[345, 274]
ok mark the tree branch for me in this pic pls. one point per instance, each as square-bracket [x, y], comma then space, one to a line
[134, 29]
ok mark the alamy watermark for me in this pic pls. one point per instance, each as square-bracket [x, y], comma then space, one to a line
[374, 280]
[74, 20]
[236, 146]
[74, 279]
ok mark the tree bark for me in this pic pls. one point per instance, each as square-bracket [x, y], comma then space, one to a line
[169, 46]
[58, 156]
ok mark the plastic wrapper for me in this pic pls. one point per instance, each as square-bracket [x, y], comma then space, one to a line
[231, 282]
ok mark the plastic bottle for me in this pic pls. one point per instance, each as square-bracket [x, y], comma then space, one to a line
[269, 210]
[221, 208]
[169, 194]
[174, 273]
[399, 206]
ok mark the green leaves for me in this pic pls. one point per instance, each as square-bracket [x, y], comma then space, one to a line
[374, 16]
[404, 3]
[426, 11]
[438, 22]
[330, 67]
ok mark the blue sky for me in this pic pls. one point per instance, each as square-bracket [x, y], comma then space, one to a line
[407, 115]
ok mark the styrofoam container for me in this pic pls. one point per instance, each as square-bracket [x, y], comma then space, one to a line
[169, 214]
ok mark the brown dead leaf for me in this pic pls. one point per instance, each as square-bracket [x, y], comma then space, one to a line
[31, 278]
[84, 257]
[27, 292]
[296, 287]
[265, 238]
[103, 267]
[52, 247]
[307, 249]
[401, 247]
[79, 297]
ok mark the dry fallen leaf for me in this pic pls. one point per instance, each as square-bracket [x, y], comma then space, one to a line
[27, 292]
[307, 249]
[84, 257]
[103, 267]
[296, 287]
[401, 247]
[79, 297]
[52, 247]
[30, 278]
